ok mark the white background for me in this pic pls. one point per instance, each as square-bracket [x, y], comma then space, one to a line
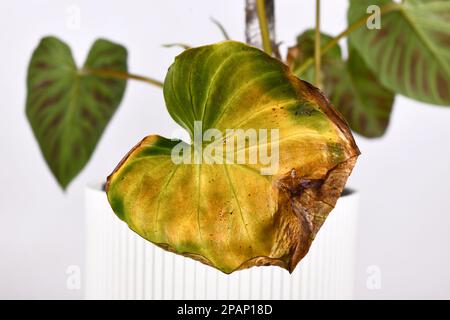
[403, 177]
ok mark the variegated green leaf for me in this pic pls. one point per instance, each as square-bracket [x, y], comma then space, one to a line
[68, 108]
[227, 214]
[410, 52]
[356, 92]
[350, 85]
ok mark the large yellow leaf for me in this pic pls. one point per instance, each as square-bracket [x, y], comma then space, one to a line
[227, 214]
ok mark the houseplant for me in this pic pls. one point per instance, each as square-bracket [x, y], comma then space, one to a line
[340, 63]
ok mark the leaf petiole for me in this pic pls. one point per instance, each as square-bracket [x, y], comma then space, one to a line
[264, 26]
[120, 75]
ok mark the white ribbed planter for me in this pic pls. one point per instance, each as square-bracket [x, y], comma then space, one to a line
[122, 265]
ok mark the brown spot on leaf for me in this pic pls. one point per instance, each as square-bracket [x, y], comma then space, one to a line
[49, 101]
[442, 38]
[442, 86]
[426, 88]
[362, 121]
[89, 117]
[413, 74]
[42, 65]
[380, 35]
[100, 97]
[54, 123]
[76, 150]
[400, 66]
[43, 84]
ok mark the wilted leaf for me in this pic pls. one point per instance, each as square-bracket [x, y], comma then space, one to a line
[350, 85]
[410, 52]
[229, 215]
[68, 108]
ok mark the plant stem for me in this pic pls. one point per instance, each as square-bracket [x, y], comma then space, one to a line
[264, 26]
[121, 75]
[317, 45]
[355, 26]
[181, 45]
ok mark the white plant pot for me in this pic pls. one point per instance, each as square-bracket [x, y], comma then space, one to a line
[122, 265]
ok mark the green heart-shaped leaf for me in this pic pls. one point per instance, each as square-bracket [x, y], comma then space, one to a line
[351, 85]
[68, 108]
[410, 52]
[228, 214]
